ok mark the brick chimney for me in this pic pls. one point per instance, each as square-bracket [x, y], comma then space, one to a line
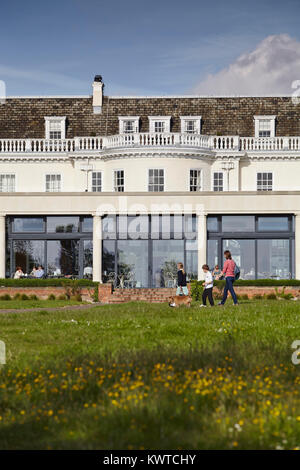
[98, 86]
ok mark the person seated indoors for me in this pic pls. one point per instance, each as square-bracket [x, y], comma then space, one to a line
[39, 273]
[19, 273]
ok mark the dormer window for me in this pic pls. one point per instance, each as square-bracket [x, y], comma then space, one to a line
[128, 124]
[55, 127]
[190, 124]
[264, 126]
[159, 124]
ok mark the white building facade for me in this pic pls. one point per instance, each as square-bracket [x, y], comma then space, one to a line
[122, 188]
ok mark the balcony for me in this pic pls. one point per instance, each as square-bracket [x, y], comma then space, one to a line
[150, 140]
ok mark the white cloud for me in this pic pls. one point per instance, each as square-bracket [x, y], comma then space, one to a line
[271, 68]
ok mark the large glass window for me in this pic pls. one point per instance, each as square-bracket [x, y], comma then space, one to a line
[87, 224]
[191, 254]
[62, 224]
[212, 253]
[271, 224]
[243, 253]
[166, 255]
[108, 260]
[62, 257]
[27, 254]
[241, 223]
[88, 259]
[28, 224]
[132, 263]
[212, 224]
[273, 259]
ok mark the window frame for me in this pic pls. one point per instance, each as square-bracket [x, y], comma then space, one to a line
[201, 180]
[213, 181]
[272, 119]
[101, 181]
[61, 182]
[62, 120]
[197, 121]
[266, 173]
[164, 119]
[114, 180]
[124, 119]
[15, 181]
[157, 184]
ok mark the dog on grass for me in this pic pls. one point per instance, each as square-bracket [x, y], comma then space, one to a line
[179, 300]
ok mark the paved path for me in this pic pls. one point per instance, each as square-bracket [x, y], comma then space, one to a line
[51, 309]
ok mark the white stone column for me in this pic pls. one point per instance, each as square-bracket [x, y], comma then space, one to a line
[202, 241]
[97, 248]
[2, 246]
[297, 245]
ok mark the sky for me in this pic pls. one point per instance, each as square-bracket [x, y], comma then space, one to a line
[158, 47]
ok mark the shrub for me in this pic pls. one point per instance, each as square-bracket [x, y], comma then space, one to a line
[78, 297]
[5, 297]
[271, 296]
[24, 297]
[33, 297]
[62, 297]
[196, 290]
[17, 296]
[48, 282]
[51, 297]
[244, 297]
[257, 297]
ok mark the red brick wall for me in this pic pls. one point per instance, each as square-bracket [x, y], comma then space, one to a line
[44, 292]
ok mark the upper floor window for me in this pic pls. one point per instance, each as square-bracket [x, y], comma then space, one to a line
[195, 180]
[55, 127]
[96, 181]
[264, 181]
[159, 123]
[53, 183]
[7, 183]
[156, 180]
[190, 124]
[119, 181]
[264, 126]
[218, 183]
[128, 124]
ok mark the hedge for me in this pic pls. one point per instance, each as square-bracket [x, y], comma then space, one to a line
[47, 283]
[258, 283]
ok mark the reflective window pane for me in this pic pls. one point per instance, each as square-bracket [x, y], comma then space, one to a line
[166, 255]
[108, 260]
[27, 254]
[212, 224]
[87, 224]
[62, 224]
[62, 257]
[212, 253]
[243, 253]
[273, 223]
[273, 259]
[28, 224]
[191, 254]
[88, 259]
[132, 263]
[238, 223]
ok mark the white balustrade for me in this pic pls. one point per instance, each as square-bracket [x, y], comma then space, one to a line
[150, 139]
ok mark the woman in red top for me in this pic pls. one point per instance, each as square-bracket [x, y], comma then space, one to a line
[228, 271]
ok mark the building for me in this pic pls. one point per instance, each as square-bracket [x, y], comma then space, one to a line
[123, 187]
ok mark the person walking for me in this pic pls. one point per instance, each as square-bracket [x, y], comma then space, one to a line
[228, 272]
[181, 281]
[208, 286]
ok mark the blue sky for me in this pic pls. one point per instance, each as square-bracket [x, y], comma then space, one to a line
[140, 48]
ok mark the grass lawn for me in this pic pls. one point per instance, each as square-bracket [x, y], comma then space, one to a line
[136, 375]
[21, 304]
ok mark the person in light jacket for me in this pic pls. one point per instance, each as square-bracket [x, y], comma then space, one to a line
[228, 272]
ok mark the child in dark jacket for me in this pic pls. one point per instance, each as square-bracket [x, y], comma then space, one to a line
[181, 281]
